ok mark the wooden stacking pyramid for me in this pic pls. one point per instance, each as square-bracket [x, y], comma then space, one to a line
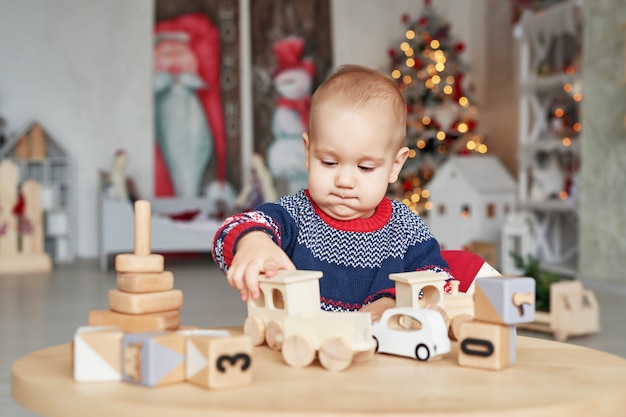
[145, 298]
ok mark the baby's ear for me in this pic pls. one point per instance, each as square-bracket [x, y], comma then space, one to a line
[305, 138]
[398, 163]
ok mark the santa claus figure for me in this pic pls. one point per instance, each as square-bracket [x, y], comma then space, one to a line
[189, 123]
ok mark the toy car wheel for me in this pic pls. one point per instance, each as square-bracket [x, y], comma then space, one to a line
[275, 335]
[298, 351]
[255, 328]
[335, 354]
[422, 352]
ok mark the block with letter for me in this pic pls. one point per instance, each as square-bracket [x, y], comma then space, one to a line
[153, 358]
[486, 345]
[216, 359]
[505, 300]
[97, 353]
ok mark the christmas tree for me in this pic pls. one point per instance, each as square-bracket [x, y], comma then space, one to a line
[441, 118]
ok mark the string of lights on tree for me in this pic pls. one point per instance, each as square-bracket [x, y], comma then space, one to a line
[441, 120]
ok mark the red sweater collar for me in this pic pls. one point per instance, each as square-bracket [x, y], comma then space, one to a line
[381, 217]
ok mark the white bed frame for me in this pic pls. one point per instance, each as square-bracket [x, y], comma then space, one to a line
[117, 227]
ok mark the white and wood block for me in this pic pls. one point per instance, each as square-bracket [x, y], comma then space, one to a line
[419, 288]
[505, 300]
[133, 323]
[486, 345]
[153, 358]
[134, 282]
[97, 353]
[216, 359]
[145, 303]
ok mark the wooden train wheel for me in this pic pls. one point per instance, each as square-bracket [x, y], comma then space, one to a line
[255, 328]
[335, 354]
[298, 351]
[275, 335]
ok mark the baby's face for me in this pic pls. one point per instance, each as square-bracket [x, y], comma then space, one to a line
[352, 156]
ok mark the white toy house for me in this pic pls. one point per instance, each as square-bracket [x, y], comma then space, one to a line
[471, 197]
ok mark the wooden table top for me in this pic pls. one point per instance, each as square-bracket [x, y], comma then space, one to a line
[549, 379]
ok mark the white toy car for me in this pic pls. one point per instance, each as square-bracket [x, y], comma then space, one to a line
[413, 332]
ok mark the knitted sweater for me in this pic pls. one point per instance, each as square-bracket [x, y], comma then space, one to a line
[355, 257]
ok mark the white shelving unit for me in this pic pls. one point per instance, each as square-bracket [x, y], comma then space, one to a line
[549, 127]
[53, 171]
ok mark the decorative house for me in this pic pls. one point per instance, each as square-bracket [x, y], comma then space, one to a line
[39, 157]
[471, 197]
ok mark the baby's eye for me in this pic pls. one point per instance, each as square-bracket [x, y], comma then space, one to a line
[366, 168]
[329, 163]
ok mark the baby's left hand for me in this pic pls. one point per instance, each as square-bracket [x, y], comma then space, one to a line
[376, 308]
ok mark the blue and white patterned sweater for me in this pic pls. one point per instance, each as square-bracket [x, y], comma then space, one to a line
[355, 257]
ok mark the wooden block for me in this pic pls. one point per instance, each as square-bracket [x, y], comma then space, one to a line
[33, 263]
[145, 282]
[153, 358]
[146, 303]
[132, 323]
[143, 220]
[505, 300]
[97, 353]
[215, 359]
[128, 262]
[486, 345]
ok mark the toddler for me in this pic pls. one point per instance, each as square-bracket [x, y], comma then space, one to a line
[342, 224]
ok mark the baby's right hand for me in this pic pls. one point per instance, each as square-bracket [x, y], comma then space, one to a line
[256, 253]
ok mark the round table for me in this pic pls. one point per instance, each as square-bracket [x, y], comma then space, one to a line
[549, 379]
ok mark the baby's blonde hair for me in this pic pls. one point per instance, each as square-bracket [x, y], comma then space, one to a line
[359, 86]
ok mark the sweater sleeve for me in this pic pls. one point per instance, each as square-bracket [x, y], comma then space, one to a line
[271, 218]
[234, 227]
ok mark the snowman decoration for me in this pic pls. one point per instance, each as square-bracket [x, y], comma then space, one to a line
[293, 81]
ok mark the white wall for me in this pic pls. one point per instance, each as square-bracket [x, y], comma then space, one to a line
[83, 69]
